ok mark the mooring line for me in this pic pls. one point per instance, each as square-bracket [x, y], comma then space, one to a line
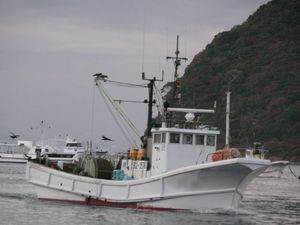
[298, 177]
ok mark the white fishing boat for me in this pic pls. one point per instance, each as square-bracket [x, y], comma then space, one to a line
[61, 149]
[14, 153]
[182, 176]
[177, 170]
[70, 150]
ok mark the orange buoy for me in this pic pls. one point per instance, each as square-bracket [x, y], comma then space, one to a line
[221, 154]
[225, 153]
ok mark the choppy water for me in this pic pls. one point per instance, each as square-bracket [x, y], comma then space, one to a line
[267, 201]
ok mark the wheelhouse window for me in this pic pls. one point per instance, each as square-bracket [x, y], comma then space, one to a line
[163, 137]
[187, 139]
[210, 140]
[175, 138]
[199, 139]
[157, 138]
[74, 145]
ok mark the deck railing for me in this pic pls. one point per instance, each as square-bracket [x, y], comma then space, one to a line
[231, 153]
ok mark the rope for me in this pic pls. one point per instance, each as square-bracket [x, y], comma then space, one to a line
[124, 84]
[200, 153]
[143, 48]
[109, 99]
[116, 120]
[293, 172]
[143, 35]
[169, 69]
[158, 97]
[92, 115]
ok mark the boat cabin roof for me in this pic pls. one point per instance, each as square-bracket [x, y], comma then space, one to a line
[200, 130]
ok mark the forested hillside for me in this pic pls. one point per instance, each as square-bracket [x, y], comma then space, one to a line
[262, 55]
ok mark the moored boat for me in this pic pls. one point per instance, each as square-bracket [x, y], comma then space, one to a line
[14, 153]
[175, 171]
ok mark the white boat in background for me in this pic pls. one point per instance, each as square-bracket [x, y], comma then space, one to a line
[15, 153]
[61, 154]
[61, 149]
[53, 149]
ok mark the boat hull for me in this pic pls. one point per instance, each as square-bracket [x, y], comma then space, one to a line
[12, 158]
[275, 169]
[203, 186]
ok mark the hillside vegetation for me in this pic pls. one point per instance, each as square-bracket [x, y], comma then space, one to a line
[263, 55]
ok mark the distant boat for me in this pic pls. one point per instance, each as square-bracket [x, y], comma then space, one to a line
[14, 153]
[72, 150]
[52, 149]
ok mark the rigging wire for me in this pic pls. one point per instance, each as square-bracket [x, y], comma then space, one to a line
[167, 40]
[129, 101]
[200, 153]
[159, 100]
[118, 110]
[185, 53]
[167, 52]
[124, 132]
[169, 69]
[92, 118]
[143, 49]
[293, 172]
[125, 84]
[122, 114]
[143, 35]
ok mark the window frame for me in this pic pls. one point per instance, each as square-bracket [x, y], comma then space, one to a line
[171, 141]
[155, 139]
[208, 141]
[202, 140]
[184, 140]
[163, 137]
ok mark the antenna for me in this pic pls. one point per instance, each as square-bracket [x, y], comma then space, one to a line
[177, 63]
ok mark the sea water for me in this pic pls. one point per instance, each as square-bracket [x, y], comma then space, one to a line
[268, 200]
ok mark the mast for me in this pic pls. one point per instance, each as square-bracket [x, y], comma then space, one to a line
[227, 118]
[177, 63]
[229, 77]
[150, 102]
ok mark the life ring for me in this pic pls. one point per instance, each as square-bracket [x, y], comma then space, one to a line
[234, 153]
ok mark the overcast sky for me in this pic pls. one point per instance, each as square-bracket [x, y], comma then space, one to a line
[49, 50]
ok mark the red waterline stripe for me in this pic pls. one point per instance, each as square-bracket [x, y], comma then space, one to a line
[97, 202]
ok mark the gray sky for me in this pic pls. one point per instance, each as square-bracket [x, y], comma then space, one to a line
[49, 50]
